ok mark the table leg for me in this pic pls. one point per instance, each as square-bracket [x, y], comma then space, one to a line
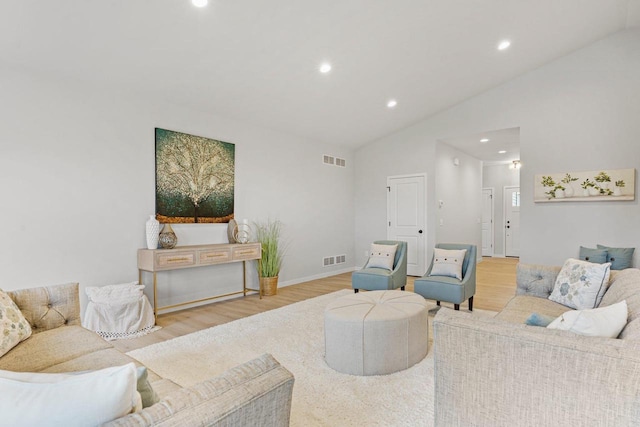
[155, 296]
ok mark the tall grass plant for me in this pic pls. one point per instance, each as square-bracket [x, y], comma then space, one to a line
[269, 233]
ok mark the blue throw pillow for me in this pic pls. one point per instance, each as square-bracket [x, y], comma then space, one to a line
[539, 320]
[620, 258]
[598, 256]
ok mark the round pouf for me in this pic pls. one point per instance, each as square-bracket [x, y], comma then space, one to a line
[376, 332]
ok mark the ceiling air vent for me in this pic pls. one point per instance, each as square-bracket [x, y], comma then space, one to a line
[328, 160]
[341, 162]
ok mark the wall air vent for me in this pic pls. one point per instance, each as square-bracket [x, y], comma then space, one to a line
[341, 162]
[328, 160]
[341, 259]
[328, 261]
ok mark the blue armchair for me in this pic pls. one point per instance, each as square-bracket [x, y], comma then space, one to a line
[376, 279]
[450, 289]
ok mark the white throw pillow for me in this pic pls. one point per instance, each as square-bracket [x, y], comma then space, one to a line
[606, 321]
[88, 399]
[581, 284]
[14, 328]
[382, 256]
[448, 262]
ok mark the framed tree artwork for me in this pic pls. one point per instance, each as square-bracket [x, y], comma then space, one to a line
[194, 178]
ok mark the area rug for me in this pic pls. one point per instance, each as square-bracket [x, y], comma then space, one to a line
[294, 335]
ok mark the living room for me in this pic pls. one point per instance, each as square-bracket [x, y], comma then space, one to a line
[79, 114]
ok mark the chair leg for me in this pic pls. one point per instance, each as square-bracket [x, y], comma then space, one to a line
[471, 304]
[456, 306]
[438, 303]
[355, 291]
[402, 288]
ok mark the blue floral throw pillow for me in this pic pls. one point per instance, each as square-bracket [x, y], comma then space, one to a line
[581, 284]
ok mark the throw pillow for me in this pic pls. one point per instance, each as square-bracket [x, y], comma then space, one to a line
[148, 394]
[14, 328]
[382, 256]
[598, 322]
[598, 256]
[539, 320]
[89, 399]
[448, 262]
[620, 258]
[581, 284]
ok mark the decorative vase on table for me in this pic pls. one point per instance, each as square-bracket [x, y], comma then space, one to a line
[168, 238]
[153, 232]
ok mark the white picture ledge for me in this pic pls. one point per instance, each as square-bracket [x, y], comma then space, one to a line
[592, 186]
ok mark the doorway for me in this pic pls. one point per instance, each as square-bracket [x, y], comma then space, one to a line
[487, 222]
[406, 218]
[512, 221]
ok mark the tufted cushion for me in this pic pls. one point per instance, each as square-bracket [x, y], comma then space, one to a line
[536, 280]
[49, 307]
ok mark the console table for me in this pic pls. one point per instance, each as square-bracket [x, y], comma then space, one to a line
[157, 260]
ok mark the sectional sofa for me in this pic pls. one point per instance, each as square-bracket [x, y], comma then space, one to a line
[500, 372]
[256, 393]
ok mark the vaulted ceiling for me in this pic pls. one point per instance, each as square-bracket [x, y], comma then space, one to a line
[257, 61]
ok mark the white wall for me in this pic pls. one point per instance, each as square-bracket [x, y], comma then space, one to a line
[577, 113]
[498, 177]
[459, 220]
[77, 169]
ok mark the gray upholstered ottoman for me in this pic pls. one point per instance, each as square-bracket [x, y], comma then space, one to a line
[376, 333]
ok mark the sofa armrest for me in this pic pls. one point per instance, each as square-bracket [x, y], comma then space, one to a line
[535, 280]
[49, 307]
[491, 372]
[257, 392]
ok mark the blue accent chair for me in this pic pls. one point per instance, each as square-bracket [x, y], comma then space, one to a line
[450, 289]
[378, 279]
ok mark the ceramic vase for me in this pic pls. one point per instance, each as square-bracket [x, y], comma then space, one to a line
[617, 191]
[153, 231]
[168, 238]
[568, 191]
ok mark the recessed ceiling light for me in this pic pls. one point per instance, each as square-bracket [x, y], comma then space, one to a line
[504, 44]
[483, 140]
[325, 68]
[199, 3]
[502, 151]
[392, 103]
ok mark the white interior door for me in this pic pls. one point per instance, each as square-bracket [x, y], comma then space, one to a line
[487, 222]
[406, 217]
[512, 221]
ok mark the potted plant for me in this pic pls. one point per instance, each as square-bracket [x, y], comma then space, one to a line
[268, 233]
[557, 190]
[618, 185]
[603, 181]
[588, 187]
[568, 179]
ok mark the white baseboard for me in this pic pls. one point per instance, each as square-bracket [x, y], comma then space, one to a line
[316, 277]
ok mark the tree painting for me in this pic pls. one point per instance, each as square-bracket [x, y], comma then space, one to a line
[194, 178]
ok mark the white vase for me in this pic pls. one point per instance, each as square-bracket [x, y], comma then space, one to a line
[593, 191]
[585, 192]
[153, 232]
[559, 193]
[617, 191]
[568, 192]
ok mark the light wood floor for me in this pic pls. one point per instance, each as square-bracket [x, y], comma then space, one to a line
[496, 284]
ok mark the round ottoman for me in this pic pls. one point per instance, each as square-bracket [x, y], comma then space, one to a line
[376, 332]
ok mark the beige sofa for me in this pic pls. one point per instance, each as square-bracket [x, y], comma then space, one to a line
[256, 393]
[501, 372]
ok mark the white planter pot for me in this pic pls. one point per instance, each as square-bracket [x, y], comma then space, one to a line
[568, 192]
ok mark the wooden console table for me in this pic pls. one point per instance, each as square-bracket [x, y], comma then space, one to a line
[155, 260]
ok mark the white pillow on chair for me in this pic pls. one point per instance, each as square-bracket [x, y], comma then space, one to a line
[448, 262]
[382, 256]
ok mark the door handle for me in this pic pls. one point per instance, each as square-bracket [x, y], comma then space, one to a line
[420, 231]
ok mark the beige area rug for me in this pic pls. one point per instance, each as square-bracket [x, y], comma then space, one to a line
[294, 335]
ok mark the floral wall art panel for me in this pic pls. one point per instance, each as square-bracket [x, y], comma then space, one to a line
[194, 178]
[602, 185]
